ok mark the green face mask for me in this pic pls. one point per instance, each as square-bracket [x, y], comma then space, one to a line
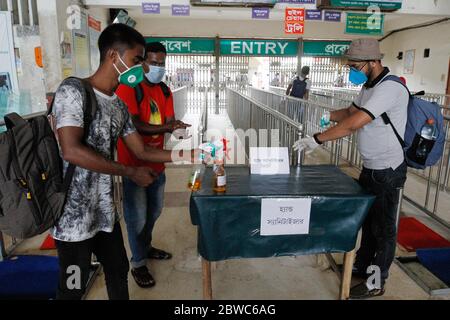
[132, 76]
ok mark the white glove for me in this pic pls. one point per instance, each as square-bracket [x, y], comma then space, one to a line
[306, 144]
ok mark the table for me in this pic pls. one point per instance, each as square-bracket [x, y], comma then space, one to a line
[229, 223]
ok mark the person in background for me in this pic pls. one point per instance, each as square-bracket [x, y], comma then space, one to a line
[151, 107]
[384, 166]
[299, 86]
[276, 81]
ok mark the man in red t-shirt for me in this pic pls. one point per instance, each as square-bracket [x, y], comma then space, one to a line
[151, 107]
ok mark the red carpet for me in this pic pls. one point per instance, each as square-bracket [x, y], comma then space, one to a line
[48, 244]
[413, 235]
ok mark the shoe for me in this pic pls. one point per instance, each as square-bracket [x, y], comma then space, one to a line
[143, 277]
[159, 254]
[361, 291]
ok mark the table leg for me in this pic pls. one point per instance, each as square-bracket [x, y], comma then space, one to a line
[207, 288]
[349, 258]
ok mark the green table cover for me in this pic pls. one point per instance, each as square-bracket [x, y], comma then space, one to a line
[229, 224]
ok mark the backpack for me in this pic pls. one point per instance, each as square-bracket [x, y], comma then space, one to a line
[139, 92]
[299, 88]
[32, 187]
[419, 111]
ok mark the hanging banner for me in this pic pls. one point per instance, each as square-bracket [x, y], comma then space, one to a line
[294, 21]
[363, 23]
[81, 48]
[383, 4]
[258, 47]
[325, 48]
[185, 45]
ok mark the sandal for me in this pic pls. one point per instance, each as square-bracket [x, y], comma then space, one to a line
[143, 277]
[159, 254]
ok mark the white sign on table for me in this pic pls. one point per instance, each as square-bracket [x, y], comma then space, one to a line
[285, 216]
[269, 161]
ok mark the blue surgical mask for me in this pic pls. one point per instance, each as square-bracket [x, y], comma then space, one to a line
[156, 74]
[357, 77]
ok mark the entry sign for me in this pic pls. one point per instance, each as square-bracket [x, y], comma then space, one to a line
[269, 161]
[285, 216]
[294, 21]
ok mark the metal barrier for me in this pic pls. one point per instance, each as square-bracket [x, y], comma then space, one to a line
[246, 113]
[180, 102]
[436, 179]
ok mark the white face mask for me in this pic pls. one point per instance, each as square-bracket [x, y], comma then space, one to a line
[156, 74]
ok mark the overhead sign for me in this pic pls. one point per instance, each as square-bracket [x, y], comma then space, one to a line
[313, 15]
[364, 23]
[269, 161]
[181, 10]
[384, 5]
[285, 216]
[151, 8]
[325, 48]
[185, 45]
[260, 13]
[294, 21]
[333, 16]
[258, 47]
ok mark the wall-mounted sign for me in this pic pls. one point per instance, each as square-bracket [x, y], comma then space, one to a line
[325, 48]
[298, 1]
[364, 23]
[333, 16]
[260, 13]
[258, 47]
[387, 5]
[313, 15]
[294, 21]
[151, 8]
[185, 45]
[181, 10]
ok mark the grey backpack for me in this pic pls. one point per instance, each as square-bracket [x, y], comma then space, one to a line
[32, 187]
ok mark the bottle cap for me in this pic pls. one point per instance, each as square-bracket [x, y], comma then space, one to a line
[430, 121]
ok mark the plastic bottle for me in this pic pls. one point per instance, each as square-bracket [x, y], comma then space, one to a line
[427, 133]
[220, 175]
[195, 180]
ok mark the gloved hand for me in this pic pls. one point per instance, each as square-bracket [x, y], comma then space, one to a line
[306, 144]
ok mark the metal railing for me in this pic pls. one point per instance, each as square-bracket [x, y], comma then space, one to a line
[435, 179]
[246, 113]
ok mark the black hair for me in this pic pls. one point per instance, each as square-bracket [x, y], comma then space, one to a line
[120, 37]
[155, 47]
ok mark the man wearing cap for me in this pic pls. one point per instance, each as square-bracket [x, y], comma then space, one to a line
[299, 86]
[384, 167]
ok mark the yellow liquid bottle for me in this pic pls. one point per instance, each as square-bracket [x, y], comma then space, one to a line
[220, 178]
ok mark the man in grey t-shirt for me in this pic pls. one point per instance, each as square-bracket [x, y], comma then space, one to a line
[384, 171]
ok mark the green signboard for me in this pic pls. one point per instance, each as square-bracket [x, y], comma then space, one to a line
[186, 45]
[363, 23]
[258, 47]
[325, 48]
[383, 4]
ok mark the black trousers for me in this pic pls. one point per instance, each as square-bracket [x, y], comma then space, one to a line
[75, 261]
[379, 232]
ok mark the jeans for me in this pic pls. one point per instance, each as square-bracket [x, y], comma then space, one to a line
[379, 231]
[142, 207]
[75, 260]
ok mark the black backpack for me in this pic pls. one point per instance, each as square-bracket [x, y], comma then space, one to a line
[32, 187]
[299, 88]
